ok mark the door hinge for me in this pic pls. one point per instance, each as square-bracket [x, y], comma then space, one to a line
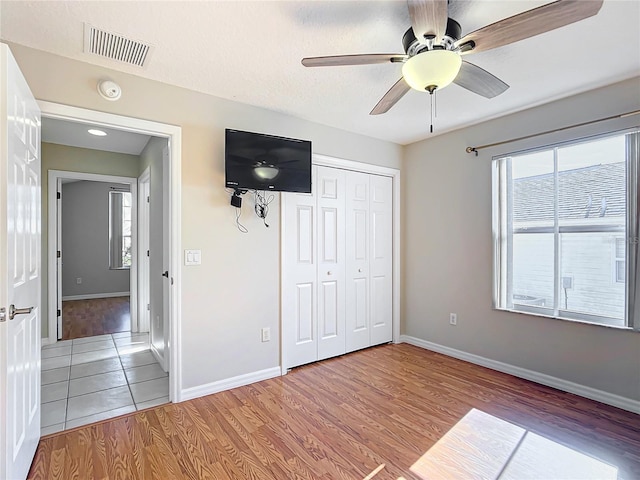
[149, 306]
[58, 254]
[59, 313]
[3, 314]
[147, 253]
[147, 198]
[58, 195]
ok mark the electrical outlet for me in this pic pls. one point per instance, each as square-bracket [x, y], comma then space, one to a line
[453, 318]
[266, 334]
[78, 280]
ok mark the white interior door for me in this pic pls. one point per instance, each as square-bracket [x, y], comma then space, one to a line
[19, 271]
[299, 279]
[329, 192]
[166, 254]
[58, 259]
[144, 298]
[381, 263]
[357, 265]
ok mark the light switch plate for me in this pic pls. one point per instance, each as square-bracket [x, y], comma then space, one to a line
[192, 257]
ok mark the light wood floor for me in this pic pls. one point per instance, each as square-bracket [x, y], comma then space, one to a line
[390, 412]
[96, 316]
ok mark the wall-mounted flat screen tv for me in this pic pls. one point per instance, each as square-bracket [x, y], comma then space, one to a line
[255, 161]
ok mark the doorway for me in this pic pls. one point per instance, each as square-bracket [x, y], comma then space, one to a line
[91, 237]
[130, 350]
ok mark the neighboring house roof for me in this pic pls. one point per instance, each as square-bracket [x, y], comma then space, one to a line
[590, 192]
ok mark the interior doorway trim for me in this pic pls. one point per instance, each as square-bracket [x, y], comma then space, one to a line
[53, 216]
[174, 135]
[143, 247]
[394, 173]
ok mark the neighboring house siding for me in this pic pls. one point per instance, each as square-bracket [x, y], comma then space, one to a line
[533, 269]
[589, 260]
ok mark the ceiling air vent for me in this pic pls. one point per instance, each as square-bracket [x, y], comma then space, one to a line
[115, 47]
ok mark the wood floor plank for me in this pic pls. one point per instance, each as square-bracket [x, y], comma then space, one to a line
[95, 316]
[384, 413]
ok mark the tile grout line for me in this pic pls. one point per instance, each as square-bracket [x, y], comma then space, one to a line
[135, 405]
[121, 368]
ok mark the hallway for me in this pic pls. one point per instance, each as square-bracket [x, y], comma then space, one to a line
[89, 379]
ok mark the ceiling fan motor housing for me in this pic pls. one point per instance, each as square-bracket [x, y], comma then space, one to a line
[412, 46]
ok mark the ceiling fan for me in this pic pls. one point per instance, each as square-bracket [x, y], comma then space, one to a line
[434, 51]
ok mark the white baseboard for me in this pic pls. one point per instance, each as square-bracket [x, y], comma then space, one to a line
[156, 354]
[229, 383]
[91, 296]
[564, 385]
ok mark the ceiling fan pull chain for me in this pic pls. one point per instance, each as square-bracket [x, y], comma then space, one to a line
[435, 103]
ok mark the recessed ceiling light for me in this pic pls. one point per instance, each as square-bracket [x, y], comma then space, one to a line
[96, 132]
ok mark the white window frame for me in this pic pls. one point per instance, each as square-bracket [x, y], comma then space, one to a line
[502, 289]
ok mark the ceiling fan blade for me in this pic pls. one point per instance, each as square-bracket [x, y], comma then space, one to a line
[395, 93]
[530, 23]
[366, 59]
[428, 18]
[478, 80]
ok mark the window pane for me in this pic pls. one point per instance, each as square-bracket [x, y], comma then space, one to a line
[586, 258]
[126, 213]
[620, 271]
[533, 190]
[533, 269]
[620, 248]
[592, 183]
[126, 251]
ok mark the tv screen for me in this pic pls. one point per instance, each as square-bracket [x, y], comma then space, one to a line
[255, 161]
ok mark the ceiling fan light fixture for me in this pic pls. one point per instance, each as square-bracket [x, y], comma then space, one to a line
[430, 70]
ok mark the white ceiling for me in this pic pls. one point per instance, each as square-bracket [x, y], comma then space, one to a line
[75, 134]
[250, 52]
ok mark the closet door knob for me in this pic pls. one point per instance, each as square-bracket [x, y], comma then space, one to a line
[329, 272]
[359, 270]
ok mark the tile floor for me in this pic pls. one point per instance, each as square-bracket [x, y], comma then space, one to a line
[89, 379]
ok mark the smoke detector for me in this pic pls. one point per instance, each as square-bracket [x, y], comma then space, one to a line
[109, 90]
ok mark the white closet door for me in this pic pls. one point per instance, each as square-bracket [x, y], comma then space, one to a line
[330, 192]
[381, 234]
[299, 279]
[357, 266]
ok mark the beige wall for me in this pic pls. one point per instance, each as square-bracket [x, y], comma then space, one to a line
[235, 292]
[447, 252]
[74, 159]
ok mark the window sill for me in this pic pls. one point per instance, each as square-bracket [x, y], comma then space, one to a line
[566, 319]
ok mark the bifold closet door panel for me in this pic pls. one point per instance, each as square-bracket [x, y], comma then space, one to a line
[381, 263]
[299, 280]
[357, 265]
[330, 201]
